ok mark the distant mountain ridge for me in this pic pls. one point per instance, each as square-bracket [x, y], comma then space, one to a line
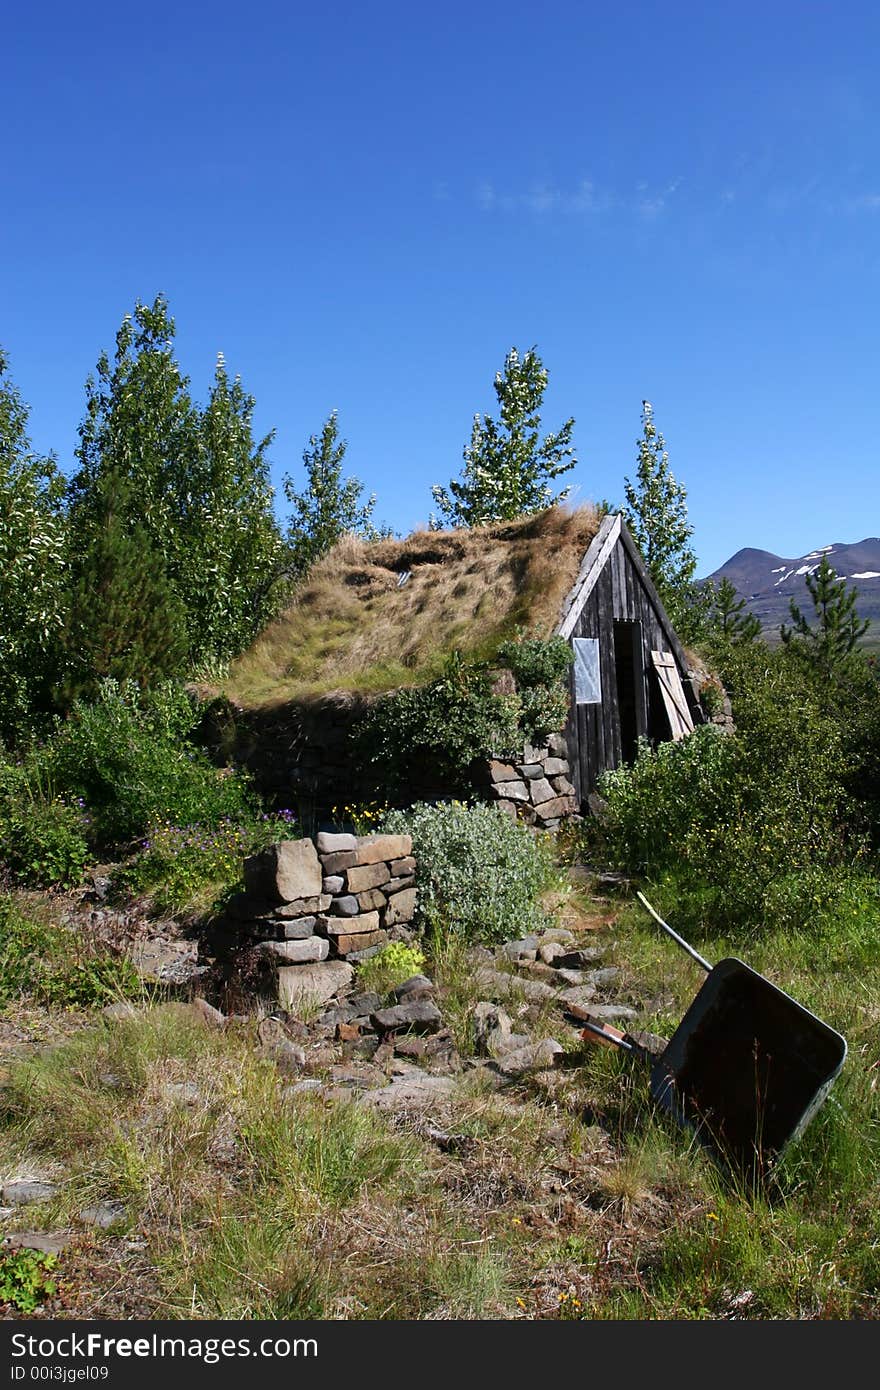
[768, 582]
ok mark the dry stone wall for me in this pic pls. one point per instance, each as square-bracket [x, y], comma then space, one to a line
[301, 757]
[537, 790]
[316, 907]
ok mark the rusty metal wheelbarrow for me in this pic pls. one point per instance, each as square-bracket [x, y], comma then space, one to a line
[747, 1067]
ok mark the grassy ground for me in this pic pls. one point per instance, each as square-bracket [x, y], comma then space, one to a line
[564, 1195]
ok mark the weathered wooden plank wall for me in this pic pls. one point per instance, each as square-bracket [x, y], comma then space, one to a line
[593, 731]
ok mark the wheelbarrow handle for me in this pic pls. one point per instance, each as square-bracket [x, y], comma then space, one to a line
[674, 934]
[599, 1032]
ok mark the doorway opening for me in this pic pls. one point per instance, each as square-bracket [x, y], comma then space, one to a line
[629, 666]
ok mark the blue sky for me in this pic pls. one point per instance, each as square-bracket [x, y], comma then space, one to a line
[365, 205]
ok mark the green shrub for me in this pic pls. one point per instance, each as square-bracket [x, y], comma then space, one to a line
[739, 823]
[42, 839]
[392, 965]
[443, 726]
[26, 1278]
[536, 661]
[458, 719]
[478, 872]
[56, 967]
[127, 755]
[186, 866]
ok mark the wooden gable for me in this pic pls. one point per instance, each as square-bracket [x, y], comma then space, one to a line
[637, 683]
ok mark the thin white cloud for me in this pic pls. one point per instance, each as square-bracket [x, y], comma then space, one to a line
[650, 203]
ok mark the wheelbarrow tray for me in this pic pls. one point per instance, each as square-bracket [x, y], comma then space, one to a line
[747, 1067]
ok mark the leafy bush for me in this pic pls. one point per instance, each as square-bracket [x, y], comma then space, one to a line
[443, 726]
[127, 755]
[182, 866]
[26, 1278]
[543, 711]
[55, 967]
[458, 718]
[392, 965]
[478, 873]
[536, 661]
[729, 819]
[42, 838]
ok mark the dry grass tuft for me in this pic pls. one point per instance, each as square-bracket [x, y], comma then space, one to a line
[351, 627]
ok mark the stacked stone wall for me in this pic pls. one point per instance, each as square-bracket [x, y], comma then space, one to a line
[313, 908]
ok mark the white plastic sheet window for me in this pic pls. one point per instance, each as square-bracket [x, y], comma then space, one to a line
[587, 681]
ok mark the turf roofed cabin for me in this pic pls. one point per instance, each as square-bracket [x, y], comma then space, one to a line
[376, 616]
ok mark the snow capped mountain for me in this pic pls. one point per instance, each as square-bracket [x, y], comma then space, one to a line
[768, 582]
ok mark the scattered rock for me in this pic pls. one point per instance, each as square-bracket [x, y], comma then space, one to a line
[410, 1092]
[419, 1015]
[648, 1042]
[498, 983]
[119, 1011]
[524, 949]
[181, 1092]
[288, 1057]
[578, 997]
[24, 1190]
[209, 1015]
[491, 1025]
[349, 1032]
[166, 962]
[302, 986]
[561, 934]
[508, 1042]
[310, 1083]
[534, 1057]
[103, 1215]
[38, 1240]
[570, 977]
[552, 951]
[576, 960]
[365, 1004]
[363, 1076]
[416, 987]
[600, 1011]
[603, 977]
[270, 1031]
